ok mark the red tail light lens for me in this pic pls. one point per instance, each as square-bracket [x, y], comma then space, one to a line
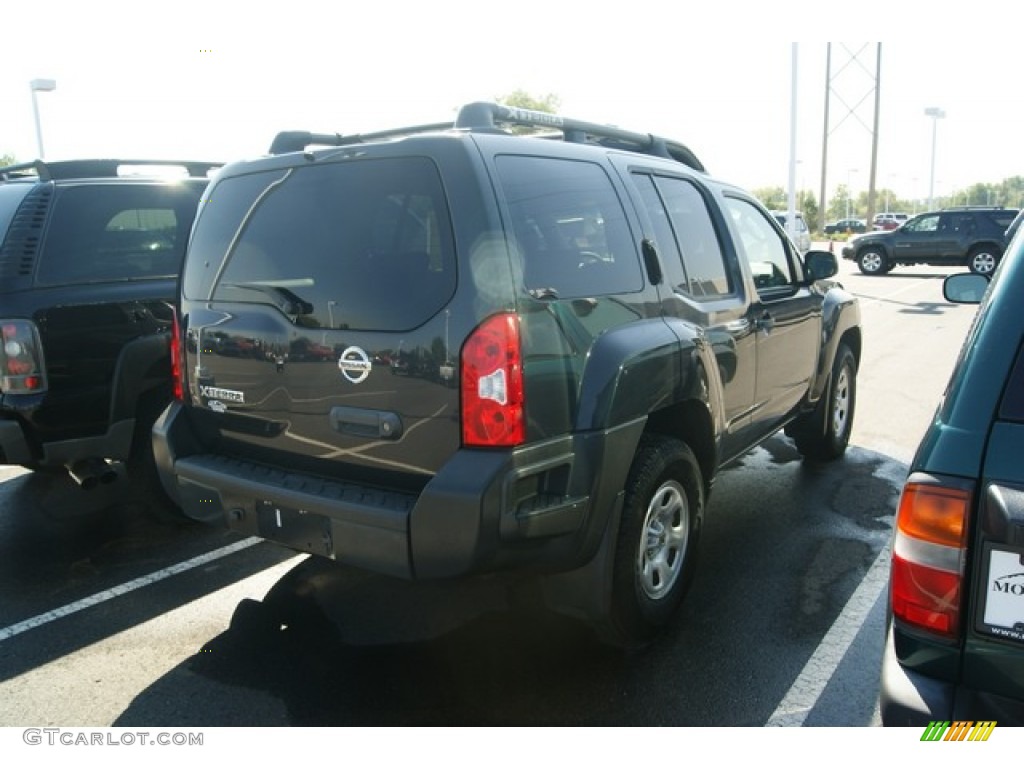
[177, 366]
[929, 552]
[492, 384]
[22, 370]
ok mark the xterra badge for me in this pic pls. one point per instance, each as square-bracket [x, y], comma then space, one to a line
[354, 365]
[216, 393]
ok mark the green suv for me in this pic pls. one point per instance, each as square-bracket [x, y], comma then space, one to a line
[955, 640]
[447, 351]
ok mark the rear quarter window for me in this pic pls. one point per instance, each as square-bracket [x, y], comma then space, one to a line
[364, 244]
[569, 227]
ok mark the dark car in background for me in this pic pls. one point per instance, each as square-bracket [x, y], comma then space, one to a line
[90, 252]
[846, 226]
[955, 631]
[973, 237]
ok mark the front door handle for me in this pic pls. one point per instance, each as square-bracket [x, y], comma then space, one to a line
[765, 322]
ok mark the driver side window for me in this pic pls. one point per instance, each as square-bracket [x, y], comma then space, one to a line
[762, 246]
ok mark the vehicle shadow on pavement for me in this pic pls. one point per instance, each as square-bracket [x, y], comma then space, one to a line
[60, 544]
[785, 545]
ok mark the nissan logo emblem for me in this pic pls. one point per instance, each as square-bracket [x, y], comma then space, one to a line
[355, 365]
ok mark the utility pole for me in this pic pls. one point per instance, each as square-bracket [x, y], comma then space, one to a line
[845, 84]
[874, 136]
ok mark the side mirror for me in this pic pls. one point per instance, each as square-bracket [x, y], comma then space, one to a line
[964, 288]
[820, 265]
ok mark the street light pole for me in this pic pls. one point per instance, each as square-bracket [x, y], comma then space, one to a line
[935, 114]
[35, 86]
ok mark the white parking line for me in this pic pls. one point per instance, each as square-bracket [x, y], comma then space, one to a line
[100, 597]
[809, 685]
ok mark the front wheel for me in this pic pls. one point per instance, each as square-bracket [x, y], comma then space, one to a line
[873, 262]
[656, 548]
[823, 434]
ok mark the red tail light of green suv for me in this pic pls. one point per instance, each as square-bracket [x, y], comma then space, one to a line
[929, 554]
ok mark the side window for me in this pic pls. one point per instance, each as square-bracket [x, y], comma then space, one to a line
[569, 227]
[924, 224]
[684, 230]
[761, 245]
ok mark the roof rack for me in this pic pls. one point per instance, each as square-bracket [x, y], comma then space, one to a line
[297, 141]
[974, 208]
[104, 168]
[486, 117]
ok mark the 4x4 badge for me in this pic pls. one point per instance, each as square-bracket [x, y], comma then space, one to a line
[355, 365]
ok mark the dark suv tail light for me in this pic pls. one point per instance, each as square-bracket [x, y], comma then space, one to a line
[492, 384]
[177, 367]
[929, 554]
[22, 370]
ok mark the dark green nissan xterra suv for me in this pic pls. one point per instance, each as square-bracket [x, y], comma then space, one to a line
[450, 350]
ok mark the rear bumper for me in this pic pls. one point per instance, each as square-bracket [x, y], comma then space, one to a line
[543, 505]
[17, 447]
[909, 698]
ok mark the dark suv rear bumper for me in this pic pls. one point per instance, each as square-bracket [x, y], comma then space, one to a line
[545, 504]
[18, 447]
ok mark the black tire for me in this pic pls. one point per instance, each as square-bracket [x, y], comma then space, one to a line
[873, 261]
[143, 477]
[983, 260]
[656, 545]
[824, 434]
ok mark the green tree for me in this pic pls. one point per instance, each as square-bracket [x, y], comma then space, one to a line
[7, 160]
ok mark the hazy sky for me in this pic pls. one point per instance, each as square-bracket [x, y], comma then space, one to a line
[200, 81]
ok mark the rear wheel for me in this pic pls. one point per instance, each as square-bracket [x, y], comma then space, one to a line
[823, 434]
[142, 472]
[983, 261]
[655, 554]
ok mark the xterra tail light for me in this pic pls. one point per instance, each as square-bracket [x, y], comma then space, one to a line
[492, 384]
[929, 555]
[22, 370]
[177, 366]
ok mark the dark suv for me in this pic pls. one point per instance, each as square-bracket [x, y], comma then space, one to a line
[90, 252]
[955, 640]
[974, 237]
[585, 328]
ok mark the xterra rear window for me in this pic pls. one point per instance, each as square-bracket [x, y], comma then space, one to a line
[569, 227]
[101, 232]
[364, 244]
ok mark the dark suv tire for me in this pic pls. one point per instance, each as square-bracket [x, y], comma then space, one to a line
[983, 260]
[823, 434]
[873, 261]
[657, 541]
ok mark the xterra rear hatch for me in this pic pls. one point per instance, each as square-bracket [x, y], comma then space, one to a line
[316, 324]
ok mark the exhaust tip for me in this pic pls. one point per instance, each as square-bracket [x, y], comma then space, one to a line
[90, 473]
